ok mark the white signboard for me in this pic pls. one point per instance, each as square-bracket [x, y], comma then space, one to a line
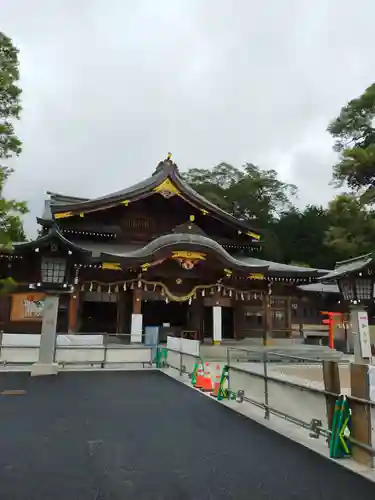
[364, 334]
[371, 377]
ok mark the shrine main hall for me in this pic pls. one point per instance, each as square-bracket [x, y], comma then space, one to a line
[154, 254]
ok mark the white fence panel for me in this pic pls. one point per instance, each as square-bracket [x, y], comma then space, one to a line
[20, 339]
[79, 354]
[174, 343]
[84, 340]
[128, 354]
[190, 346]
[19, 355]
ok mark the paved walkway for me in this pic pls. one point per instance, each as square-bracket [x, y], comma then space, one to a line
[143, 435]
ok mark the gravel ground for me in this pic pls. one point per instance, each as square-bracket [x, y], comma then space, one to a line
[142, 435]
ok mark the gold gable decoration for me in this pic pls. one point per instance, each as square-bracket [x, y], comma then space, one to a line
[256, 276]
[253, 235]
[63, 215]
[167, 189]
[111, 266]
[188, 260]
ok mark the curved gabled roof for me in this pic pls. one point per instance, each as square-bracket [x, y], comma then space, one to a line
[276, 268]
[167, 171]
[183, 241]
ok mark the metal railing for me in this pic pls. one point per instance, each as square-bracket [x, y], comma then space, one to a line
[66, 354]
[185, 361]
[313, 419]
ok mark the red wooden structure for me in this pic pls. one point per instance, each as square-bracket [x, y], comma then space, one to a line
[330, 321]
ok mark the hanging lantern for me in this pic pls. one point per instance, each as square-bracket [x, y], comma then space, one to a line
[139, 283]
[109, 289]
[90, 289]
[132, 286]
[99, 289]
[145, 288]
[154, 287]
[124, 287]
[230, 293]
[189, 301]
[224, 292]
[116, 289]
[166, 300]
[82, 288]
[242, 296]
[203, 293]
[218, 288]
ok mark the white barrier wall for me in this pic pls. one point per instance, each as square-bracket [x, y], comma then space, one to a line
[185, 346]
[72, 349]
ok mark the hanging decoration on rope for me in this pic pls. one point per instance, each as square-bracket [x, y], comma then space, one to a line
[160, 287]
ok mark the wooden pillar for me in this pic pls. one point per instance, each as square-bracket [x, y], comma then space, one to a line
[289, 316]
[137, 319]
[238, 320]
[196, 317]
[73, 312]
[361, 413]
[331, 377]
[137, 301]
[121, 311]
[267, 334]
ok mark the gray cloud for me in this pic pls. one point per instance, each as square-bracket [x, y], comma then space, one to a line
[110, 87]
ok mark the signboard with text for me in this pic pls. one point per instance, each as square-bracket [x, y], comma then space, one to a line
[364, 334]
[27, 306]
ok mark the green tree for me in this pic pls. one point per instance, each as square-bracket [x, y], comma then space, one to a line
[354, 132]
[10, 145]
[351, 229]
[302, 237]
[250, 193]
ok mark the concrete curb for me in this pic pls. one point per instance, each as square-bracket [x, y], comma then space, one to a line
[286, 429]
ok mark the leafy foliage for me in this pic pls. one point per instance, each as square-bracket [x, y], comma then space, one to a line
[352, 227]
[355, 141]
[249, 193]
[313, 237]
[11, 228]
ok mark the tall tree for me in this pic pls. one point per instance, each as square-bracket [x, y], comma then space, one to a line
[354, 132]
[10, 145]
[302, 237]
[11, 227]
[249, 193]
[352, 227]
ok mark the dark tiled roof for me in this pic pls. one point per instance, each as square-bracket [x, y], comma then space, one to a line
[279, 268]
[348, 267]
[165, 170]
[319, 288]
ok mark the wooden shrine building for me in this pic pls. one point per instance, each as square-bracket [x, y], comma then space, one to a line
[154, 254]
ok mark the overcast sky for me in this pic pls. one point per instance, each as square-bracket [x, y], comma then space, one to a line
[110, 86]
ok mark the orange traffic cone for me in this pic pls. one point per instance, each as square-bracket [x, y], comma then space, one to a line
[217, 380]
[200, 377]
[207, 381]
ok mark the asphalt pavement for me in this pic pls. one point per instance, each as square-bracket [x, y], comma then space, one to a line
[142, 435]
